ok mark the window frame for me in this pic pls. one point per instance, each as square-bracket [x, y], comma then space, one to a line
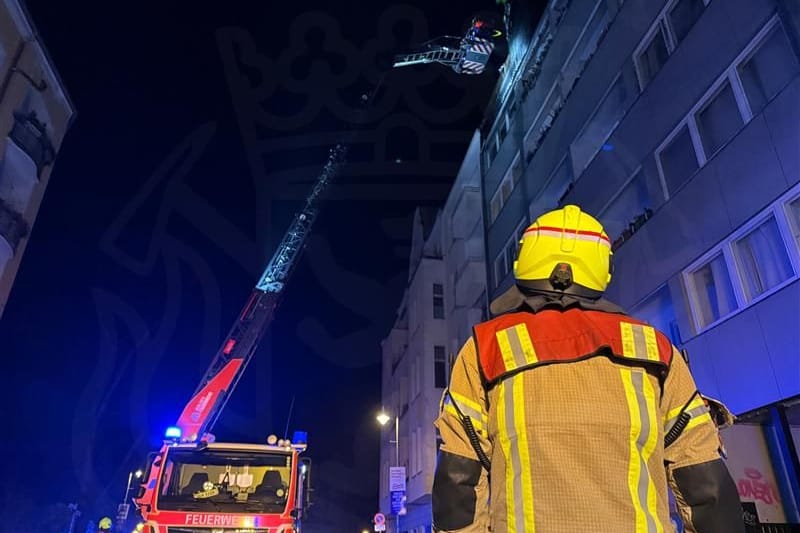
[729, 75]
[502, 255]
[776, 209]
[588, 121]
[436, 361]
[508, 177]
[747, 229]
[638, 171]
[663, 23]
[658, 26]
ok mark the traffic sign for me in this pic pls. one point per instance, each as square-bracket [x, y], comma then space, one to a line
[122, 511]
[381, 527]
[397, 478]
[379, 519]
[397, 502]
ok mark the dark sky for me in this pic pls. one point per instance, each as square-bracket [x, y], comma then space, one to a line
[200, 129]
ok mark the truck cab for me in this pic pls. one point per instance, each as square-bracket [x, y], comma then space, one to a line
[220, 487]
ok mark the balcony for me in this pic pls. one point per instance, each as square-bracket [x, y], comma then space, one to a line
[13, 227]
[31, 136]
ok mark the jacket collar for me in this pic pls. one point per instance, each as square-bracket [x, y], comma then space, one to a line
[515, 300]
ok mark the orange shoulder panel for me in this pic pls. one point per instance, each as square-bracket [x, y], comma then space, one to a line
[515, 341]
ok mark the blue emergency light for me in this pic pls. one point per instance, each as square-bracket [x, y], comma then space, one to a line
[300, 437]
[173, 432]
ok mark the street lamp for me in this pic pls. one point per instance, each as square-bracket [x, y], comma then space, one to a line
[122, 510]
[131, 475]
[383, 419]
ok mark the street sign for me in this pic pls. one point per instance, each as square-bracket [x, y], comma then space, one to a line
[398, 502]
[379, 519]
[397, 478]
[122, 511]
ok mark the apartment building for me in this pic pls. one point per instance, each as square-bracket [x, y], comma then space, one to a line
[677, 124]
[35, 113]
[445, 296]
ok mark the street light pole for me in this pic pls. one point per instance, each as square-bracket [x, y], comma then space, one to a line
[397, 457]
[120, 520]
[383, 418]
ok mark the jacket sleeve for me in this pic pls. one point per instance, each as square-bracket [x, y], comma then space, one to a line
[460, 495]
[704, 490]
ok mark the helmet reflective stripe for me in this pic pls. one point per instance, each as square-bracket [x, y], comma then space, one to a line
[575, 234]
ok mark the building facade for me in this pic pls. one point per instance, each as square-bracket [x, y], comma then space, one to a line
[677, 124]
[445, 296]
[35, 113]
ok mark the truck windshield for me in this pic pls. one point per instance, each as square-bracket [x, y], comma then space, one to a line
[225, 481]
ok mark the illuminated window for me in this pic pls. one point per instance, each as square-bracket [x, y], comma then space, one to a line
[762, 259]
[713, 293]
[793, 213]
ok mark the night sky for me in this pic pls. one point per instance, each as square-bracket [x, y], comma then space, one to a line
[200, 129]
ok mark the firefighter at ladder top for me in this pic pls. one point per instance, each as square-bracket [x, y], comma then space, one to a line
[564, 414]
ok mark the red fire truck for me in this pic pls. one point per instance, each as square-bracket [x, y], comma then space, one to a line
[196, 485]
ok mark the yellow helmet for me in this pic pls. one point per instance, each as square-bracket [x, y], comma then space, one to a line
[105, 523]
[565, 251]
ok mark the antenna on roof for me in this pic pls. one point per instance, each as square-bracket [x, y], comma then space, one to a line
[288, 419]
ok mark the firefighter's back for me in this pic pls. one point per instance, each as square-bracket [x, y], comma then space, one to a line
[579, 447]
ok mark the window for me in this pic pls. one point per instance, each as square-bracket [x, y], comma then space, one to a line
[719, 120]
[683, 16]
[659, 312]
[505, 259]
[490, 150]
[622, 212]
[755, 260]
[438, 300]
[494, 208]
[768, 69]
[714, 297]
[598, 128]
[418, 450]
[503, 128]
[678, 160]
[652, 57]
[585, 47]
[542, 122]
[742, 89]
[516, 169]
[793, 213]
[762, 259]
[413, 454]
[414, 383]
[505, 188]
[439, 367]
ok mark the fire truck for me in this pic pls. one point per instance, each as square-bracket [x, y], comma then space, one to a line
[196, 485]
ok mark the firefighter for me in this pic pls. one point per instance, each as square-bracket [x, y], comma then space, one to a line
[104, 525]
[564, 414]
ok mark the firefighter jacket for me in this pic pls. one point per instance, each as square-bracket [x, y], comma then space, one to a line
[568, 409]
